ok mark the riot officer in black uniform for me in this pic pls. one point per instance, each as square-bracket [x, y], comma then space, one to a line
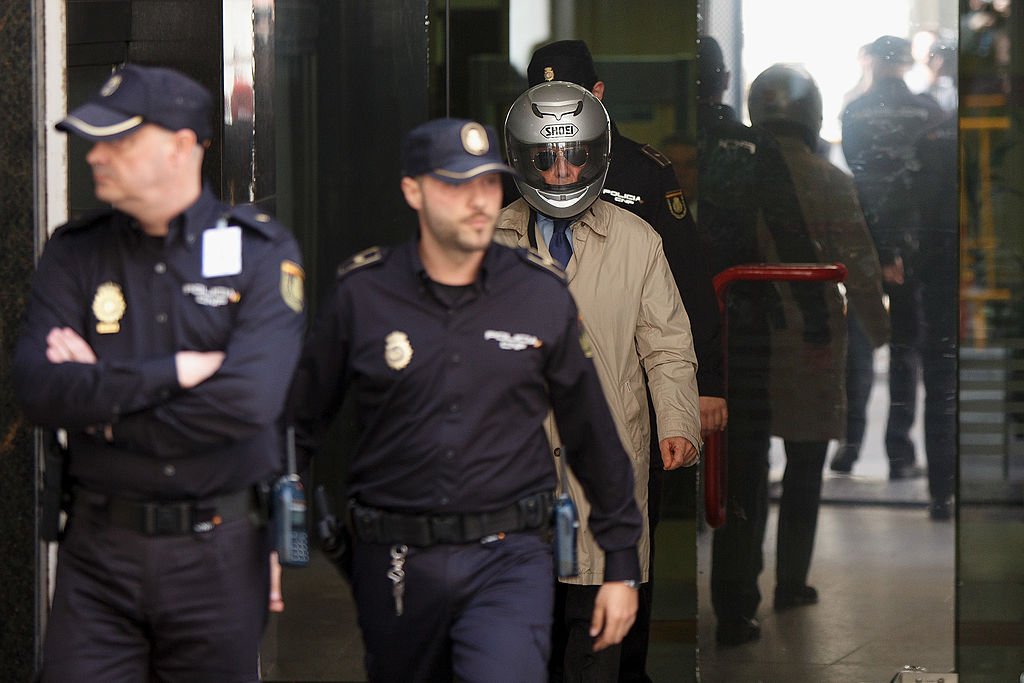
[640, 179]
[455, 348]
[161, 335]
[744, 180]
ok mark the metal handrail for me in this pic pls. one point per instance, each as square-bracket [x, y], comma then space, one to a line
[716, 461]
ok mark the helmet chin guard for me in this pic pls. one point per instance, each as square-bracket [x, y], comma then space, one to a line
[559, 141]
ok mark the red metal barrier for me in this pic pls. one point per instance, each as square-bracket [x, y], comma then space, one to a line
[716, 461]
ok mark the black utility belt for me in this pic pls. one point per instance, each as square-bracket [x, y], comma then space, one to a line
[169, 518]
[373, 525]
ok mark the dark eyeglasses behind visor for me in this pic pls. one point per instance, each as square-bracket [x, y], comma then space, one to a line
[544, 158]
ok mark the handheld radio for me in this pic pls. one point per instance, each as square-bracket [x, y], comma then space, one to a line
[566, 522]
[290, 514]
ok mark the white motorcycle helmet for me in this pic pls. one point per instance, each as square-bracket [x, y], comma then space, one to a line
[559, 141]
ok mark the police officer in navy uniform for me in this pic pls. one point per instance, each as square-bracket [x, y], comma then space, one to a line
[641, 180]
[161, 336]
[881, 130]
[454, 367]
[744, 182]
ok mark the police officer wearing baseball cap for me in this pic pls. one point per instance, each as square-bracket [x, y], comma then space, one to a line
[138, 95]
[881, 131]
[161, 335]
[641, 180]
[454, 366]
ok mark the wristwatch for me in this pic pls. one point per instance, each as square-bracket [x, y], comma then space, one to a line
[631, 583]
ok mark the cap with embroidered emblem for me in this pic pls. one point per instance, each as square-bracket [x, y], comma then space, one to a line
[135, 95]
[452, 150]
[563, 60]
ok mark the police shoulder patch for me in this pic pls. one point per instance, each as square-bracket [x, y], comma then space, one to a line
[657, 156]
[293, 279]
[255, 218]
[676, 204]
[539, 260]
[366, 257]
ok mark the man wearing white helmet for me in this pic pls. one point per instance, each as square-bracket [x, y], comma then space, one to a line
[558, 138]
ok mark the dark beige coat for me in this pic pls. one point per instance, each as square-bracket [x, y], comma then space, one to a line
[808, 396]
[636, 322]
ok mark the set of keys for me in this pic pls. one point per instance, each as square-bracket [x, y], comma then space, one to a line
[397, 576]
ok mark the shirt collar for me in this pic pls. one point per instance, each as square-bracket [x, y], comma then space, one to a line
[419, 271]
[202, 215]
[590, 218]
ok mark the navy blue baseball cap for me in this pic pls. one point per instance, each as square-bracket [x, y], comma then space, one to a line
[892, 49]
[563, 60]
[135, 95]
[452, 150]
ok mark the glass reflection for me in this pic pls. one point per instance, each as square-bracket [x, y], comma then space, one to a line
[862, 110]
[239, 101]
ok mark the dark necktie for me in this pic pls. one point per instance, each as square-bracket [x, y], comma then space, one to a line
[559, 247]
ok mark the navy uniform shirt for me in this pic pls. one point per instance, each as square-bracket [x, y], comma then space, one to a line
[451, 396]
[641, 180]
[137, 300]
[881, 130]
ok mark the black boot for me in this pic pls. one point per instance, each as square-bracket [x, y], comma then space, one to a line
[842, 461]
[787, 597]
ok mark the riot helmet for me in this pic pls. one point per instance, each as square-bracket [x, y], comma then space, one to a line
[786, 95]
[559, 141]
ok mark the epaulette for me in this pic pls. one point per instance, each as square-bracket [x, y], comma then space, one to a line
[539, 260]
[252, 216]
[658, 157]
[367, 257]
[88, 219]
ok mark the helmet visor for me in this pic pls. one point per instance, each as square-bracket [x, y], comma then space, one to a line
[560, 166]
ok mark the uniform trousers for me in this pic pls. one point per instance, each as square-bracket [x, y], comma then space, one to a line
[573, 659]
[736, 549]
[798, 512]
[924, 349]
[939, 294]
[904, 370]
[477, 612]
[633, 660]
[860, 376]
[129, 607]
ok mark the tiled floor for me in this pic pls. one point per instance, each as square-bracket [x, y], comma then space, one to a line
[886, 581]
[884, 572]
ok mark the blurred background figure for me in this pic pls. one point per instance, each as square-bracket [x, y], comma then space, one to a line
[985, 44]
[919, 76]
[744, 187]
[880, 129]
[864, 82]
[934, 70]
[809, 401]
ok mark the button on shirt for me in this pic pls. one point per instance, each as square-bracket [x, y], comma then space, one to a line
[137, 300]
[451, 396]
